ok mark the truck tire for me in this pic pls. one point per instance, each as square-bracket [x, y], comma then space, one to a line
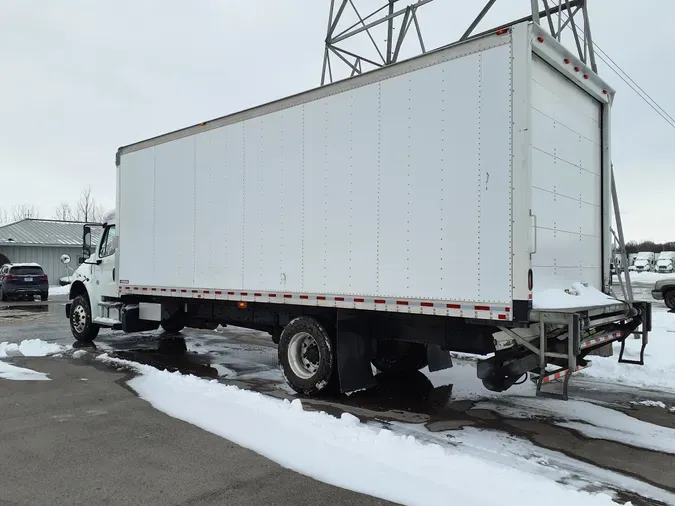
[306, 356]
[400, 356]
[81, 325]
[174, 324]
[44, 296]
[669, 299]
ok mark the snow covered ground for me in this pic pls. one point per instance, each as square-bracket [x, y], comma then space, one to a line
[59, 290]
[645, 277]
[518, 452]
[27, 348]
[343, 451]
[658, 373]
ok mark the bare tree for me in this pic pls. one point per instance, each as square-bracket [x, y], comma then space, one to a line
[4, 218]
[97, 213]
[24, 211]
[63, 212]
[86, 208]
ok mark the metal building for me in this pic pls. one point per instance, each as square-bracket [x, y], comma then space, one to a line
[43, 242]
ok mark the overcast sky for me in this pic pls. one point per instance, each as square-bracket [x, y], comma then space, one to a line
[78, 79]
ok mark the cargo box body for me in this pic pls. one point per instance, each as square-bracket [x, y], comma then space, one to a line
[431, 186]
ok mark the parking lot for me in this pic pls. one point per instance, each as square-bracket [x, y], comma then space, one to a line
[87, 412]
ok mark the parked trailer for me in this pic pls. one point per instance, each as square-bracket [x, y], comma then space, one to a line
[388, 219]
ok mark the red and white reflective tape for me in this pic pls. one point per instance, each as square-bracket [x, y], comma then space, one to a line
[561, 374]
[612, 336]
[434, 307]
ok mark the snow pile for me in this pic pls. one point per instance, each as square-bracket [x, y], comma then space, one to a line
[342, 451]
[59, 290]
[12, 372]
[659, 370]
[27, 348]
[578, 295]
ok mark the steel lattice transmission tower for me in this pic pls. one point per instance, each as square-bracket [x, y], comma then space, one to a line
[561, 18]
[558, 17]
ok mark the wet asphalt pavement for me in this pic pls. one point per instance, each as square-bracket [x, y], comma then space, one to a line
[248, 359]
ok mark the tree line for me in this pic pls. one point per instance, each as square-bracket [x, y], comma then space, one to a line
[656, 247]
[85, 208]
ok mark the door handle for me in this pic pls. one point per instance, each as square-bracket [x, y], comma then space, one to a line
[534, 234]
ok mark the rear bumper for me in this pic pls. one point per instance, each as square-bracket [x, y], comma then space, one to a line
[26, 290]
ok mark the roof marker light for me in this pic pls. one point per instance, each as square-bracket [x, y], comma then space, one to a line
[566, 60]
[540, 38]
[577, 69]
[585, 76]
[502, 31]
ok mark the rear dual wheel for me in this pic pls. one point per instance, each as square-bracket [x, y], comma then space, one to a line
[173, 324]
[306, 356]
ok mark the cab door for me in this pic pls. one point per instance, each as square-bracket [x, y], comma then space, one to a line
[104, 270]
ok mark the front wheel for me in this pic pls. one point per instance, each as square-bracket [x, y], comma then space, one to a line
[669, 299]
[83, 329]
[306, 356]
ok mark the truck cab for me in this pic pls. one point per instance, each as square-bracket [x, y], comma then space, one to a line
[644, 261]
[94, 291]
[666, 262]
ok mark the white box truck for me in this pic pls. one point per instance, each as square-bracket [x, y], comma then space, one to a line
[388, 219]
[644, 262]
[665, 262]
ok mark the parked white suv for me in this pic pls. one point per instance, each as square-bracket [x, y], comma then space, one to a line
[664, 290]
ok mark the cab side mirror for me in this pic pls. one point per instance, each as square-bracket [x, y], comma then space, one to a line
[86, 241]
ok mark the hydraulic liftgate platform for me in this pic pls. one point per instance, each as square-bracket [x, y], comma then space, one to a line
[584, 332]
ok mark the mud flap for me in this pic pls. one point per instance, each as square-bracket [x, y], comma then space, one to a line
[437, 358]
[131, 321]
[353, 357]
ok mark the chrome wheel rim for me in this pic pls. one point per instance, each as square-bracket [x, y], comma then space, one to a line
[79, 319]
[303, 355]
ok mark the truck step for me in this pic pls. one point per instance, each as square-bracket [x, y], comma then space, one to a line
[601, 339]
[553, 379]
[109, 305]
[106, 322]
[561, 373]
